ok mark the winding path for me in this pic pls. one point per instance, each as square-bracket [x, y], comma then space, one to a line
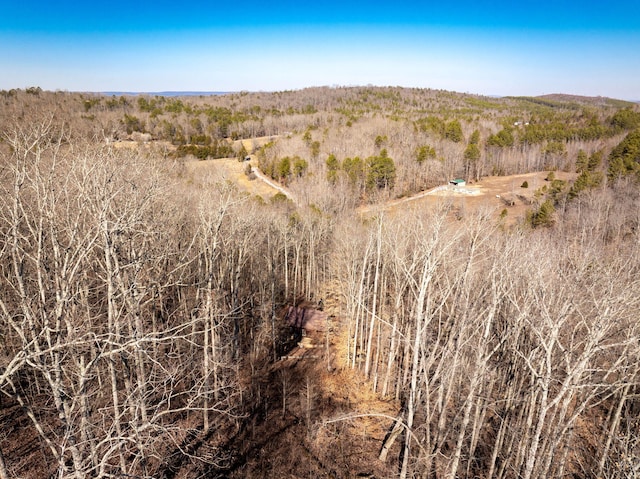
[276, 186]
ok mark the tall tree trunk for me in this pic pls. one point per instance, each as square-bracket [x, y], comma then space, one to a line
[374, 301]
[419, 326]
[4, 474]
[613, 427]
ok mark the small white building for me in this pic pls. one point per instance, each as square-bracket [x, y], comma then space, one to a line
[458, 182]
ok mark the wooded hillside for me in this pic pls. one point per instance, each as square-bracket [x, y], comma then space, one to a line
[142, 309]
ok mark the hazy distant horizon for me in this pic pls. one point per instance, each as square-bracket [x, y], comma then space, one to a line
[162, 93]
[175, 93]
[186, 93]
[497, 48]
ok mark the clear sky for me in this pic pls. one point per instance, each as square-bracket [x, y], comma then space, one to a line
[491, 47]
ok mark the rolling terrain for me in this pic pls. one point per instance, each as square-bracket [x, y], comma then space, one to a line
[152, 249]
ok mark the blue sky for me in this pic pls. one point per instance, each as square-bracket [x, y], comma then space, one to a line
[492, 47]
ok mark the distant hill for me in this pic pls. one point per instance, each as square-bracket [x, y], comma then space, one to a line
[591, 100]
[166, 93]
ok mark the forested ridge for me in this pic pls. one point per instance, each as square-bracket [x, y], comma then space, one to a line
[142, 329]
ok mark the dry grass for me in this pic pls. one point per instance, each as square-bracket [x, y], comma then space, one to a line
[492, 192]
[230, 169]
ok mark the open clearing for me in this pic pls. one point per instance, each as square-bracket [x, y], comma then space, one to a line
[494, 192]
[228, 169]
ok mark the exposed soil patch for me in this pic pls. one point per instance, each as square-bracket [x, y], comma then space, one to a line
[493, 192]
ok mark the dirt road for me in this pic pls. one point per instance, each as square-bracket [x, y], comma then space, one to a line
[496, 192]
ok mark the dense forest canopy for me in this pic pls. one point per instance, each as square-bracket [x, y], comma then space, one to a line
[142, 305]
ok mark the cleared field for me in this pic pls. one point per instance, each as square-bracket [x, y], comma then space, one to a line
[494, 192]
[228, 169]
